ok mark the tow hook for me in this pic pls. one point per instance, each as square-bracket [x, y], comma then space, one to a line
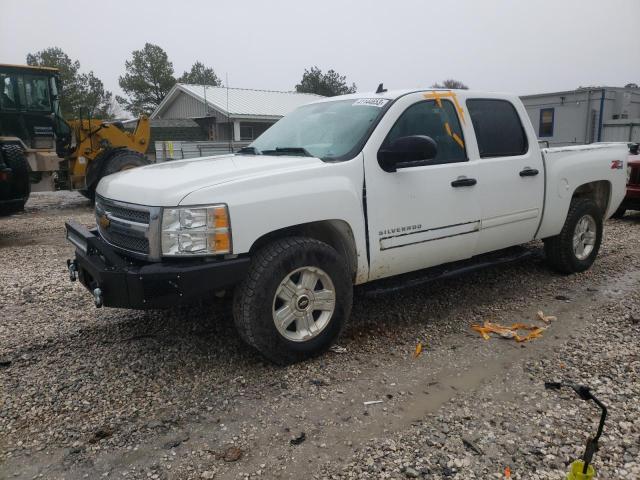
[73, 270]
[97, 297]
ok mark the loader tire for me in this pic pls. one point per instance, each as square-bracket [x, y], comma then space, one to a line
[576, 247]
[124, 159]
[20, 187]
[116, 161]
[295, 299]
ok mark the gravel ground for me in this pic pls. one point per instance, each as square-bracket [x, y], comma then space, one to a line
[87, 393]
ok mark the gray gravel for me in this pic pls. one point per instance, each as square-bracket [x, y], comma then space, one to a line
[87, 393]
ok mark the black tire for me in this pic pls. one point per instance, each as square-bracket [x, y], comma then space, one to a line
[121, 160]
[254, 298]
[89, 194]
[20, 187]
[114, 162]
[559, 249]
[619, 213]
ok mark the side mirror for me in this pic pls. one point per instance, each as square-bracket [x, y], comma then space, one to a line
[404, 152]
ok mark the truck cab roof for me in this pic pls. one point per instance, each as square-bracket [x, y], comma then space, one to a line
[395, 94]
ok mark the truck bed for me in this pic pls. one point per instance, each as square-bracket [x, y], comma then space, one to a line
[597, 166]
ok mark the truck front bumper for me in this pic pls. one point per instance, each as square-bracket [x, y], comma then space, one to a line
[117, 281]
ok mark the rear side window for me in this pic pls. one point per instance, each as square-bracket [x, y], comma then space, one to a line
[498, 128]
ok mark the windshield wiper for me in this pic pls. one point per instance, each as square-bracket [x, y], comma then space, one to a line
[249, 150]
[288, 151]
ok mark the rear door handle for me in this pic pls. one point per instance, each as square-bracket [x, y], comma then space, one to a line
[529, 172]
[464, 182]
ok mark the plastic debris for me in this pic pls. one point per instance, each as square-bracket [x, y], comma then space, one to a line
[338, 349]
[546, 318]
[418, 350]
[299, 439]
[507, 473]
[372, 402]
[509, 332]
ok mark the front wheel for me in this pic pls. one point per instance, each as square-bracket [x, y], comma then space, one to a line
[295, 299]
[576, 247]
[20, 186]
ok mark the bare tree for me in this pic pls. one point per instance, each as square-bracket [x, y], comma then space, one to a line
[451, 83]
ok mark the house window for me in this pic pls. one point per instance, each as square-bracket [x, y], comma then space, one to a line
[246, 132]
[546, 122]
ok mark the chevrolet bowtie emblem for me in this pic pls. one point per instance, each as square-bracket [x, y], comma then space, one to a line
[104, 221]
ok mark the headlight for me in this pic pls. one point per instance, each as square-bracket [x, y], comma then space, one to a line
[196, 231]
[628, 174]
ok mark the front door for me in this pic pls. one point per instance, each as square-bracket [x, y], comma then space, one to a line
[424, 215]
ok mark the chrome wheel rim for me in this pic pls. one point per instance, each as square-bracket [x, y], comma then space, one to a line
[303, 304]
[584, 237]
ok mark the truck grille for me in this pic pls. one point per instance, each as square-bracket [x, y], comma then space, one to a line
[137, 216]
[128, 242]
[634, 179]
[124, 226]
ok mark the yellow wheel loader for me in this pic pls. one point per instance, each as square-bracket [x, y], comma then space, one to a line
[39, 149]
[101, 148]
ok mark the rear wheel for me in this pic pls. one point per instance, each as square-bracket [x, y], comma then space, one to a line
[576, 247]
[20, 187]
[295, 299]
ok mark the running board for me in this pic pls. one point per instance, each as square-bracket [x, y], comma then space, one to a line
[448, 270]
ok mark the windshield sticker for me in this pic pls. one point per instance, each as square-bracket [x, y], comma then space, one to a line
[371, 102]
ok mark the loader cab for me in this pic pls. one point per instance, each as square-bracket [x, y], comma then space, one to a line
[29, 107]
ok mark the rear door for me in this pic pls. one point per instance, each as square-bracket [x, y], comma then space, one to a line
[511, 173]
[424, 215]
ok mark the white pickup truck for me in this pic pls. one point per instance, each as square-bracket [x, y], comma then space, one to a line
[340, 192]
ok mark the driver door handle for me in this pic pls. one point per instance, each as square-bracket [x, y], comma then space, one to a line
[529, 172]
[464, 182]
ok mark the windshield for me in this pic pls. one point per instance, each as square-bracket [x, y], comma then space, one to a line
[327, 130]
[37, 93]
[25, 92]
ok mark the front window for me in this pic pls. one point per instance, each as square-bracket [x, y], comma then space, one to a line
[36, 91]
[437, 120]
[334, 130]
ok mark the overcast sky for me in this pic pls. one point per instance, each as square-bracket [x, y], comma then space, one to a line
[500, 45]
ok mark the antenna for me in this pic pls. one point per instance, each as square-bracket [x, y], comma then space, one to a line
[381, 89]
[231, 127]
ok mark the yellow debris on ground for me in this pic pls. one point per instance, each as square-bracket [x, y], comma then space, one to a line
[509, 332]
[512, 331]
[546, 318]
